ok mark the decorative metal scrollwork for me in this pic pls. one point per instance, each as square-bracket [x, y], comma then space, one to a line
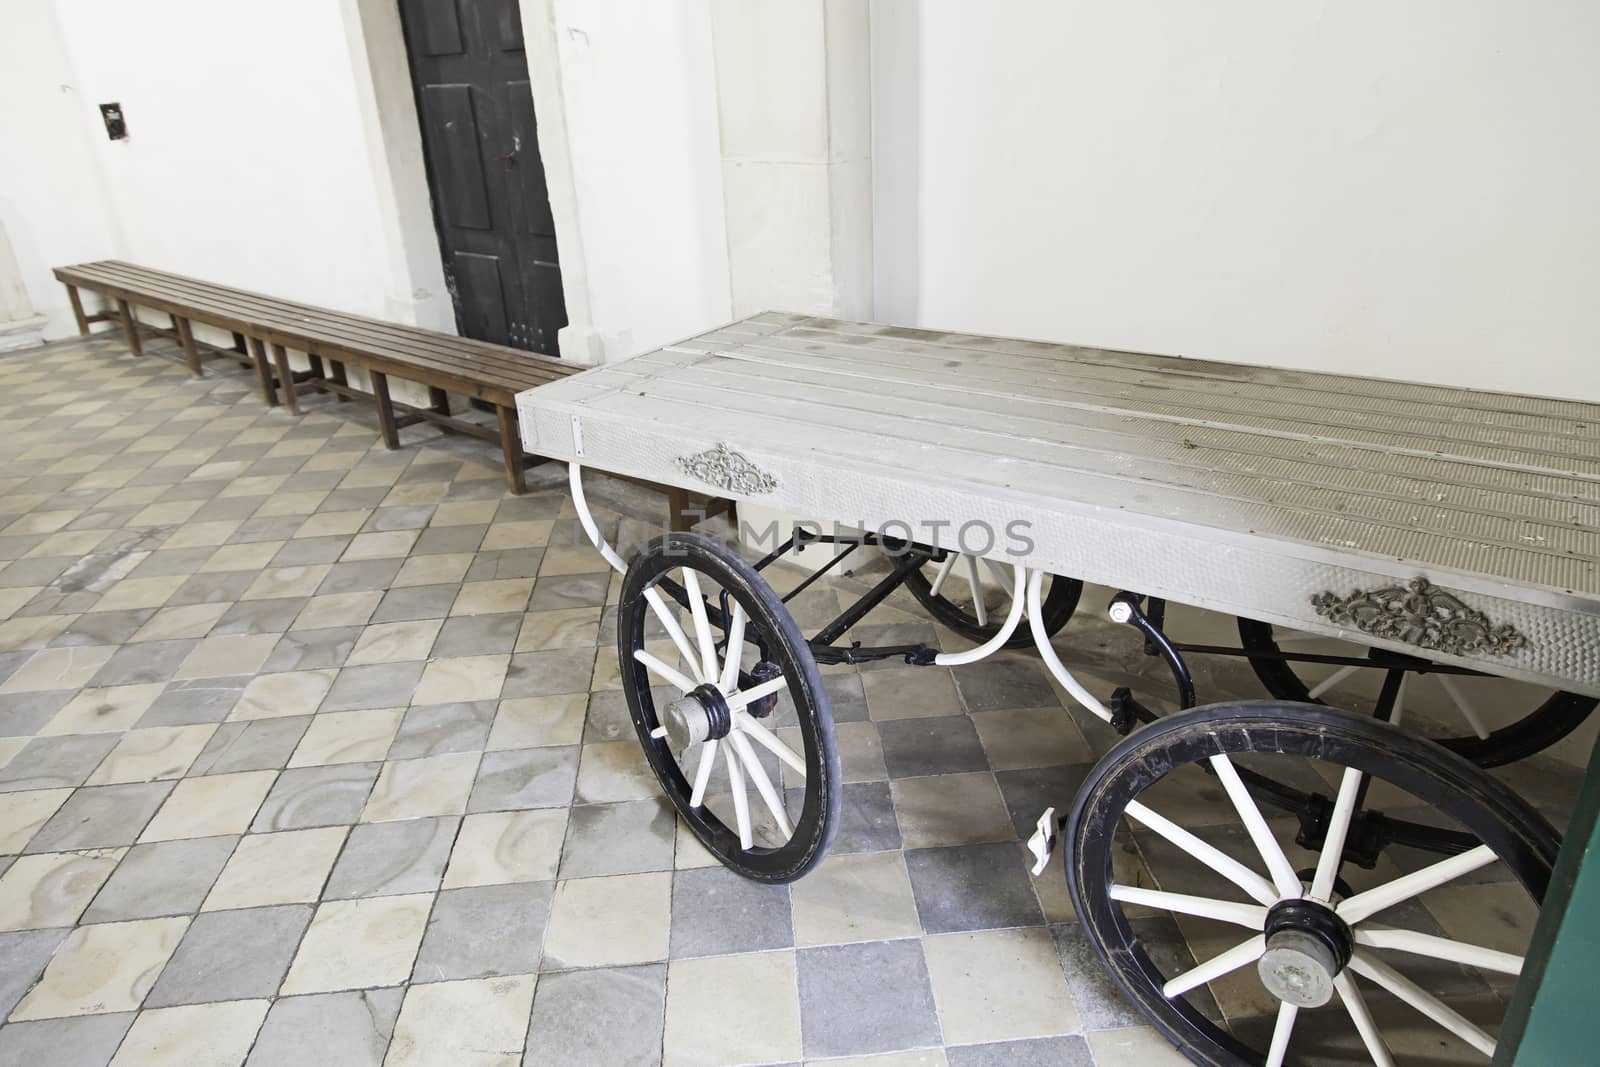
[1422, 615]
[726, 469]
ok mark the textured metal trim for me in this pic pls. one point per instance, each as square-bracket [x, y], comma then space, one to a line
[726, 469]
[1419, 614]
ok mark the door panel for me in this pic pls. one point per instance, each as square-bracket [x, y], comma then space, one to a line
[480, 137]
[451, 126]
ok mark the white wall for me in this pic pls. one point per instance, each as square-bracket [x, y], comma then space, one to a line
[52, 200]
[626, 100]
[1404, 189]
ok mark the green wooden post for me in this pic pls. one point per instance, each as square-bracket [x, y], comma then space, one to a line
[1554, 1016]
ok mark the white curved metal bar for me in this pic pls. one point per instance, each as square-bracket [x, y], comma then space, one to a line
[1282, 1030]
[1463, 705]
[745, 697]
[1278, 865]
[741, 800]
[1052, 661]
[590, 527]
[998, 641]
[937, 585]
[1245, 952]
[669, 674]
[1333, 841]
[746, 722]
[1249, 916]
[702, 624]
[734, 652]
[1371, 967]
[1224, 864]
[1356, 1006]
[758, 774]
[702, 773]
[669, 622]
[1439, 948]
[1364, 905]
[975, 579]
[1330, 681]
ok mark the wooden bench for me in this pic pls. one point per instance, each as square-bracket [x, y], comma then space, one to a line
[332, 340]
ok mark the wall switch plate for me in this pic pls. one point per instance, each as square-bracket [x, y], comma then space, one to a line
[116, 126]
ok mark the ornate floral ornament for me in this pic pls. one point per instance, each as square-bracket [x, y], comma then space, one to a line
[726, 469]
[1420, 614]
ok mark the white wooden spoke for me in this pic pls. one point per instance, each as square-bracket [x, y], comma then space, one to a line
[1278, 865]
[1282, 1030]
[1365, 905]
[1333, 841]
[658, 733]
[1250, 916]
[1371, 967]
[1245, 952]
[1331, 680]
[745, 697]
[1398, 712]
[702, 773]
[1225, 865]
[763, 784]
[999, 575]
[669, 622]
[1463, 705]
[1439, 948]
[975, 578]
[741, 800]
[743, 720]
[943, 573]
[1356, 1005]
[668, 674]
[734, 652]
[702, 624]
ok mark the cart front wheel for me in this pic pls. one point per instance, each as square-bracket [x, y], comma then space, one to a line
[738, 728]
[1292, 956]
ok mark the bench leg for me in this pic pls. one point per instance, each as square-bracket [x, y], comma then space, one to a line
[191, 351]
[280, 356]
[258, 356]
[511, 449]
[77, 310]
[439, 400]
[380, 396]
[339, 378]
[130, 330]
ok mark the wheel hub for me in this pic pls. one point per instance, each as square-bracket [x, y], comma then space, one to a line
[699, 715]
[1307, 946]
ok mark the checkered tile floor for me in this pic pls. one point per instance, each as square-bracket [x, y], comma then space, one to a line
[312, 752]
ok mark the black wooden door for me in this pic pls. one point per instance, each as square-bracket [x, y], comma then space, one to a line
[489, 198]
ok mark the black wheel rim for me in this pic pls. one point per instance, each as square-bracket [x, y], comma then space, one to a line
[771, 630]
[1518, 836]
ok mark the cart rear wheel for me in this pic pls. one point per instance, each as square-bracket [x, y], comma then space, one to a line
[1542, 716]
[744, 746]
[1293, 957]
[972, 596]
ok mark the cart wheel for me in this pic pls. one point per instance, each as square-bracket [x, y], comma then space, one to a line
[1545, 716]
[1298, 944]
[737, 651]
[946, 589]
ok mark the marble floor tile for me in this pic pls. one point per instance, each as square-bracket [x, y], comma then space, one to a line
[102, 968]
[196, 1035]
[84, 1041]
[416, 788]
[525, 778]
[231, 955]
[357, 944]
[161, 879]
[52, 889]
[112, 709]
[625, 838]
[604, 922]
[611, 1015]
[100, 817]
[532, 722]
[864, 998]
[22, 814]
[765, 1028]
[351, 1029]
[999, 985]
[393, 858]
[151, 754]
[848, 898]
[395, 642]
[950, 809]
[347, 737]
[440, 729]
[477, 1023]
[484, 931]
[257, 745]
[277, 868]
[463, 678]
[510, 846]
[331, 795]
[386, 685]
[269, 696]
[58, 668]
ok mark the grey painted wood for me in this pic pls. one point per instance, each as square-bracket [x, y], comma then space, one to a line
[1247, 489]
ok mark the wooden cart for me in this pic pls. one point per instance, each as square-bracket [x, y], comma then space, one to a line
[1400, 536]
